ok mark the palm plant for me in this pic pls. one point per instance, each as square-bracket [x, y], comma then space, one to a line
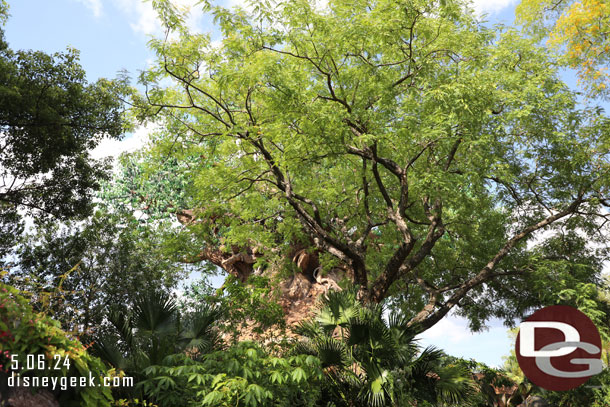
[198, 333]
[374, 361]
[155, 329]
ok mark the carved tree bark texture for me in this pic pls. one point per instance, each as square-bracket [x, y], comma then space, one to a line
[298, 294]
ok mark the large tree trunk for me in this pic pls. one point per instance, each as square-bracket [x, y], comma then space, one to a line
[298, 294]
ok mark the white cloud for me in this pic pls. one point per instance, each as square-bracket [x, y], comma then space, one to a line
[195, 14]
[491, 6]
[451, 334]
[452, 328]
[94, 5]
[144, 18]
[141, 14]
[114, 148]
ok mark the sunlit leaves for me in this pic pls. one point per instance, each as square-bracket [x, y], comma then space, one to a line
[306, 125]
[578, 29]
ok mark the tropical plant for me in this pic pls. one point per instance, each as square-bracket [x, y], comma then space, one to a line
[499, 389]
[373, 361]
[243, 375]
[154, 329]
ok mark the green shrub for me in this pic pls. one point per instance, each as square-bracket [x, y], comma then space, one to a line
[25, 332]
[243, 375]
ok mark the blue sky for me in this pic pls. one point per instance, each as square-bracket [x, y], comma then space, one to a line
[107, 42]
[112, 36]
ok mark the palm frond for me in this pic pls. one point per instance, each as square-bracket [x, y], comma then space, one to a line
[308, 329]
[108, 350]
[337, 308]
[123, 325]
[331, 352]
[378, 390]
[155, 313]
[199, 328]
[454, 385]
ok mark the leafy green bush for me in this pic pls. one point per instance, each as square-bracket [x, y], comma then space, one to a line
[243, 375]
[24, 332]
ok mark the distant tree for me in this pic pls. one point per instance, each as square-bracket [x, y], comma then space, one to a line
[50, 116]
[78, 271]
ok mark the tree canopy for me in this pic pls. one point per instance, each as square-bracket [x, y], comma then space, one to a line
[50, 116]
[76, 271]
[404, 143]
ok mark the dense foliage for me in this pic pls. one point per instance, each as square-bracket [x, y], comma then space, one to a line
[350, 356]
[25, 332]
[152, 329]
[76, 271]
[50, 116]
[250, 306]
[397, 159]
[243, 375]
[404, 144]
[371, 361]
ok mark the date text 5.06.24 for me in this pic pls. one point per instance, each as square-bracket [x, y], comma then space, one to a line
[40, 362]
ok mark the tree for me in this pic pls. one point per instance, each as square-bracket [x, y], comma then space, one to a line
[76, 271]
[395, 144]
[50, 116]
[579, 30]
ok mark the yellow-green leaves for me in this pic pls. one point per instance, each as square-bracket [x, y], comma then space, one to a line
[316, 126]
[577, 29]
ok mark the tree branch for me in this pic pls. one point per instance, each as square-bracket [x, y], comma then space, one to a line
[427, 318]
